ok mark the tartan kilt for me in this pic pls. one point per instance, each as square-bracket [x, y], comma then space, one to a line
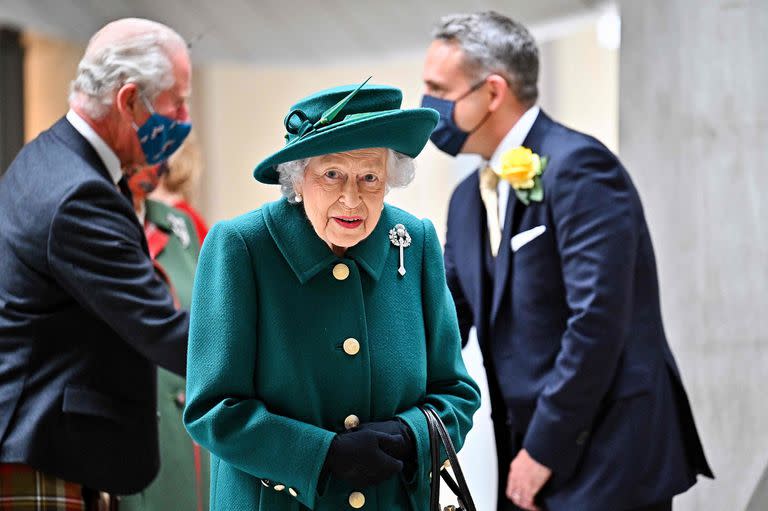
[22, 488]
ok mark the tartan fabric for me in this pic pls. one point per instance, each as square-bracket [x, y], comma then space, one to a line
[23, 488]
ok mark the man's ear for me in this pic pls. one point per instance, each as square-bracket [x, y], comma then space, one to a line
[499, 91]
[127, 101]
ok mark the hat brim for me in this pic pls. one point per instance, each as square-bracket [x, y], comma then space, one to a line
[405, 131]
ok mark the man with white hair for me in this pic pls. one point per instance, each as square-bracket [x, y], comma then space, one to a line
[83, 317]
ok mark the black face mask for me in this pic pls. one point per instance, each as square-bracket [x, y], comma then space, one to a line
[447, 136]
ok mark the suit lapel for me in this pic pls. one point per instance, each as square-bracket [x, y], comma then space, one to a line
[505, 259]
[504, 256]
[470, 242]
[77, 143]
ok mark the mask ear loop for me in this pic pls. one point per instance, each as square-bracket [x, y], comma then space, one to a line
[147, 105]
[470, 91]
[146, 102]
[482, 121]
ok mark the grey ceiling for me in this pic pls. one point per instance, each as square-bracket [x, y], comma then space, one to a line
[278, 31]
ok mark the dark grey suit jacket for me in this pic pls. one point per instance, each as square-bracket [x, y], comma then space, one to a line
[83, 320]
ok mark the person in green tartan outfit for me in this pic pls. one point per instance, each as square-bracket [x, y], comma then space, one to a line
[322, 322]
[182, 483]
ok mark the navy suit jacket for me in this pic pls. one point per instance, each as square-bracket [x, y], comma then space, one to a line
[83, 320]
[571, 330]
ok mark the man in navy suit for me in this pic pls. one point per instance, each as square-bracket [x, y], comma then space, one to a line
[83, 317]
[552, 264]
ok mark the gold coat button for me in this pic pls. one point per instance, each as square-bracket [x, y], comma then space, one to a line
[356, 499]
[293, 492]
[341, 271]
[351, 346]
[352, 421]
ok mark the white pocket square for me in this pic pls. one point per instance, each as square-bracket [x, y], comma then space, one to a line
[525, 237]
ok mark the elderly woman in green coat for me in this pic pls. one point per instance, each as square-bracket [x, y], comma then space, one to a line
[322, 322]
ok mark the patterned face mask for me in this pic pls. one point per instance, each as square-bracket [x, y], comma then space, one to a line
[160, 136]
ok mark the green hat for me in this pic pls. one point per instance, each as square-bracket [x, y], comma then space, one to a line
[347, 118]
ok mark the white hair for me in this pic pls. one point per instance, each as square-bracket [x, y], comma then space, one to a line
[400, 173]
[141, 57]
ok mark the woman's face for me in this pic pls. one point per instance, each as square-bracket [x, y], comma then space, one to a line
[343, 195]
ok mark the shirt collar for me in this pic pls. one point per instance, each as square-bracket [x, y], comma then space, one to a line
[515, 137]
[107, 155]
[141, 212]
[308, 255]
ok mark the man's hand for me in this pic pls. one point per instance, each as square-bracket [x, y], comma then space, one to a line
[526, 477]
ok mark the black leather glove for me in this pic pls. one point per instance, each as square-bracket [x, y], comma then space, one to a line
[405, 452]
[362, 457]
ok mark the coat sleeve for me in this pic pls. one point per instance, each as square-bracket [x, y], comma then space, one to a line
[450, 390]
[595, 210]
[95, 253]
[224, 413]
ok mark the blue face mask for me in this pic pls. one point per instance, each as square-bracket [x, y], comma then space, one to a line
[160, 136]
[447, 136]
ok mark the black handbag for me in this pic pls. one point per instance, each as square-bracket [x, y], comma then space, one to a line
[438, 436]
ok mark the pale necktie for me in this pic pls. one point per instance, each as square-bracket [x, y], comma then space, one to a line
[489, 181]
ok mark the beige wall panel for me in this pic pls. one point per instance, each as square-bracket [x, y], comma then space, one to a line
[582, 85]
[49, 66]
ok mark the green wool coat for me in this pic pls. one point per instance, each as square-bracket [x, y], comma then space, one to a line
[182, 483]
[270, 382]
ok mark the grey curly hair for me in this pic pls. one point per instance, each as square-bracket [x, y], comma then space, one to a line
[400, 172]
[141, 56]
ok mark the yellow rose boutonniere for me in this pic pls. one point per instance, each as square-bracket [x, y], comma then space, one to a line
[522, 168]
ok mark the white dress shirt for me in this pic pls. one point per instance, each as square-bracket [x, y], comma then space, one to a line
[514, 138]
[107, 155]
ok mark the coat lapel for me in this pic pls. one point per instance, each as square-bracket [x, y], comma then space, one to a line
[307, 254]
[157, 240]
[515, 209]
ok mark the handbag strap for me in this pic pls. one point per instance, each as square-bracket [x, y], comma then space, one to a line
[434, 454]
[464, 496]
[438, 432]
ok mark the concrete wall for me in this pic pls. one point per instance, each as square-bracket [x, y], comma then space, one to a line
[693, 133]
